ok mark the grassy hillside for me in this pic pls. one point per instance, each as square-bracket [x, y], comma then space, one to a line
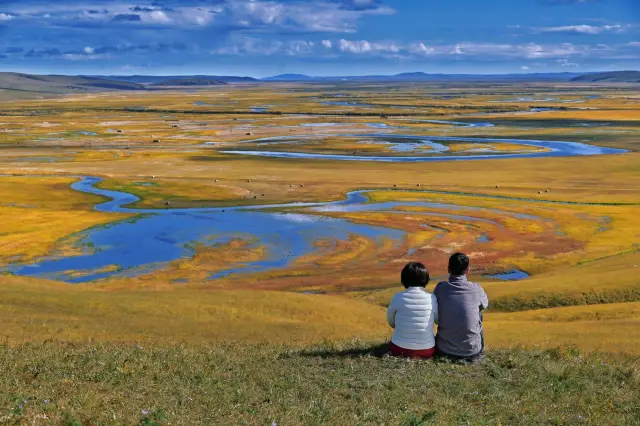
[77, 384]
[610, 77]
[194, 81]
[151, 79]
[36, 310]
[28, 86]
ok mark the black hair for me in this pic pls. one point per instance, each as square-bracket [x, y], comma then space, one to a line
[414, 274]
[458, 264]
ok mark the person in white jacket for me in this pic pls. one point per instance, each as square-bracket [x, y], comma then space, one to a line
[413, 313]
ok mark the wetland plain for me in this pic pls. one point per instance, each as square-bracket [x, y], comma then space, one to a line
[328, 189]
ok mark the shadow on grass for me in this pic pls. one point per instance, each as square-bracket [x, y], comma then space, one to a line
[378, 351]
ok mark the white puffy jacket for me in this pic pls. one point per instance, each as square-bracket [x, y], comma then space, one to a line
[412, 314]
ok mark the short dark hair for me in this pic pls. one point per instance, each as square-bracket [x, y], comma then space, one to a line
[458, 264]
[414, 274]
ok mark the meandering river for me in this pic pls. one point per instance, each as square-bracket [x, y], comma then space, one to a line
[157, 237]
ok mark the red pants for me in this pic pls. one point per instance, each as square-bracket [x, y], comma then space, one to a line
[411, 353]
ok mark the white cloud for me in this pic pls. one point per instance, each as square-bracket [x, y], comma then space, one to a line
[360, 46]
[299, 47]
[421, 48]
[5, 17]
[566, 63]
[525, 68]
[89, 50]
[252, 46]
[586, 29]
[159, 17]
[329, 16]
[364, 46]
[564, 54]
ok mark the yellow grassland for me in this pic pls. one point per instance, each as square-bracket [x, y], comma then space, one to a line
[604, 328]
[38, 212]
[154, 193]
[34, 310]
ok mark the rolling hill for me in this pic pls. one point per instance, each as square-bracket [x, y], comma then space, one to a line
[610, 77]
[289, 77]
[60, 83]
[421, 76]
[29, 86]
[190, 81]
[153, 79]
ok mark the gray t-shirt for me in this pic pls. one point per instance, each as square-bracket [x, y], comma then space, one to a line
[460, 304]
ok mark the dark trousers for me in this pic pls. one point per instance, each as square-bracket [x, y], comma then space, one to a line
[469, 359]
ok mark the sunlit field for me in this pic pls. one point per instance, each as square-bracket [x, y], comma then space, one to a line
[210, 241]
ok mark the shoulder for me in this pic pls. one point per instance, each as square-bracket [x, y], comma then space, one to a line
[477, 287]
[440, 286]
[397, 296]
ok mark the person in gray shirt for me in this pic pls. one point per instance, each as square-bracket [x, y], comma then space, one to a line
[460, 302]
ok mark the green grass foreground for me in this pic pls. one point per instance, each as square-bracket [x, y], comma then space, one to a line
[60, 383]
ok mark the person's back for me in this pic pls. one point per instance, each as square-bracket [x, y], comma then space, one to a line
[412, 314]
[460, 302]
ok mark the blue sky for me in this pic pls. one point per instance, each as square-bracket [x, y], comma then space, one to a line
[318, 37]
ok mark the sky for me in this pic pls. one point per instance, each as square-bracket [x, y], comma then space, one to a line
[262, 38]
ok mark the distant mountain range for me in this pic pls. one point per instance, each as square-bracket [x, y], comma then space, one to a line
[421, 76]
[25, 86]
[291, 77]
[190, 81]
[610, 77]
[155, 79]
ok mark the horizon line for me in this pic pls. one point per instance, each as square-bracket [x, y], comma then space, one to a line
[523, 73]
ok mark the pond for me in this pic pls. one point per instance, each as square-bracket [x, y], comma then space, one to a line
[156, 237]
